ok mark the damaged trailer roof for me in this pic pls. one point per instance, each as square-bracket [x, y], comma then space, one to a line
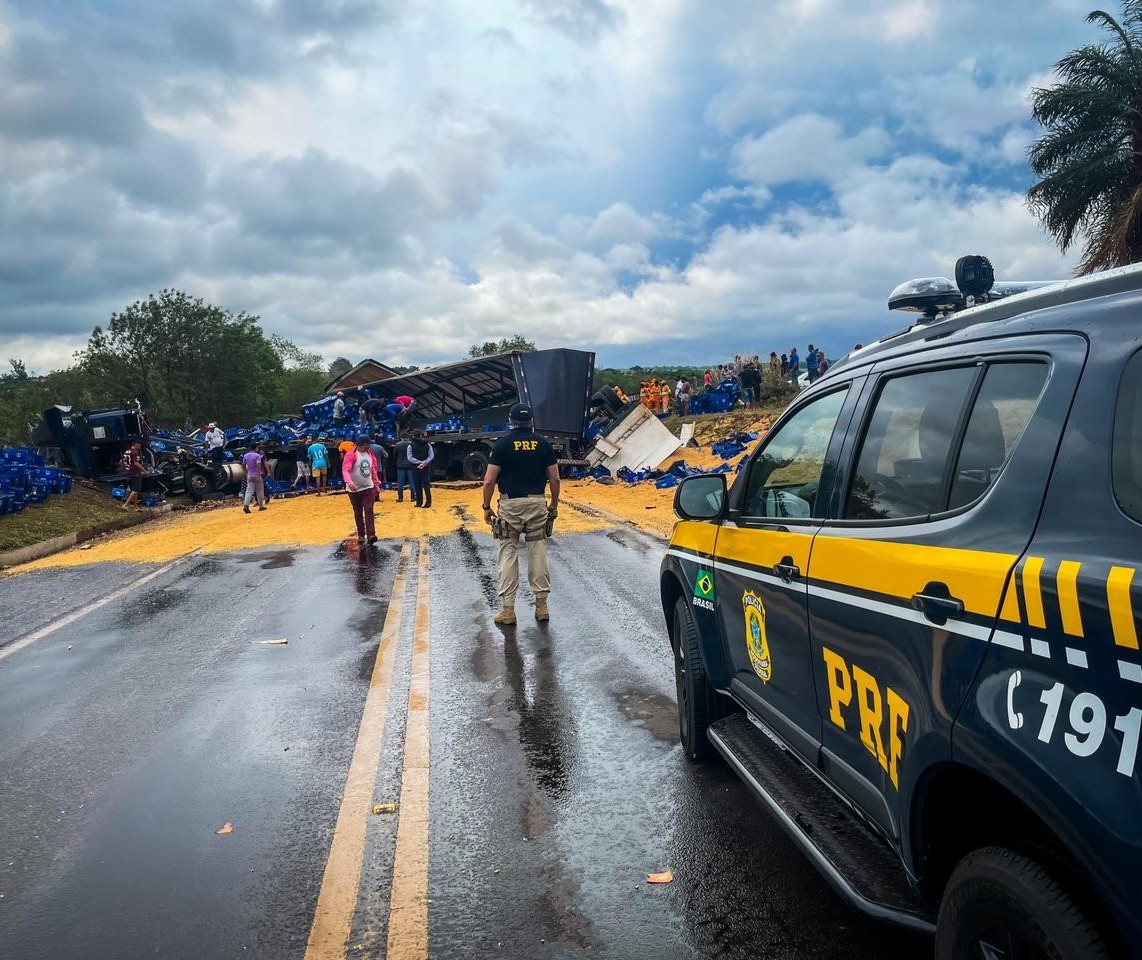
[457, 388]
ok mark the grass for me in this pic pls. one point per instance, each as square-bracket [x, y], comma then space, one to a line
[62, 514]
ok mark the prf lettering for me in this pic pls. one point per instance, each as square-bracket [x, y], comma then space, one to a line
[525, 444]
[844, 682]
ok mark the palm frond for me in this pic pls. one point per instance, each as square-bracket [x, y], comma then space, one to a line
[1104, 19]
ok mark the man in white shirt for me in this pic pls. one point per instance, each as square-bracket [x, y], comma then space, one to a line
[215, 442]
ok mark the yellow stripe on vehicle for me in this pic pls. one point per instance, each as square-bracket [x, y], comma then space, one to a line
[1121, 606]
[1068, 585]
[1032, 593]
[1010, 611]
[764, 548]
[694, 535]
[902, 569]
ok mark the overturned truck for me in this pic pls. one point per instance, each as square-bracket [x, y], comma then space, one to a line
[463, 407]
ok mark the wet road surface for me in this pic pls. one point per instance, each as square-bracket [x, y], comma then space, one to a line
[130, 736]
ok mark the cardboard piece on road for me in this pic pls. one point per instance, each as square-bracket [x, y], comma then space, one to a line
[665, 877]
[686, 435]
[227, 827]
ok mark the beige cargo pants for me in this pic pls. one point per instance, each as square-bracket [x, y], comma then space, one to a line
[526, 516]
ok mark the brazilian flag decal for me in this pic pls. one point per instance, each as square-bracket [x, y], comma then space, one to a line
[704, 585]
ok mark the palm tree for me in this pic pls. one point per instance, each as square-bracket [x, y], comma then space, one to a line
[1090, 157]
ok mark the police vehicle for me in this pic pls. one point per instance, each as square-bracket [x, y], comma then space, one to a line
[911, 625]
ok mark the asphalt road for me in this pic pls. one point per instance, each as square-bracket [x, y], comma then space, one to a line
[129, 736]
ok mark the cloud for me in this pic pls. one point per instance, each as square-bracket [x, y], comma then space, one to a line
[658, 180]
[584, 21]
[807, 148]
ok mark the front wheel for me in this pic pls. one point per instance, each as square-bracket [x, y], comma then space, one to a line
[199, 482]
[698, 703]
[1001, 904]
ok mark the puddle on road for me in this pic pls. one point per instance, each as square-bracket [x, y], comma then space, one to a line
[369, 623]
[657, 714]
[269, 559]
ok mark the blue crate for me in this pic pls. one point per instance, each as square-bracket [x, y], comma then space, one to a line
[120, 493]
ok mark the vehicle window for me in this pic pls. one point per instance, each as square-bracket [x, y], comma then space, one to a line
[1002, 410]
[784, 476]
[1128, 440]
[903, 458]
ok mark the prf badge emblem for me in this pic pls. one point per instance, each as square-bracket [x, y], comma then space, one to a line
[756, 641]
[704, 590]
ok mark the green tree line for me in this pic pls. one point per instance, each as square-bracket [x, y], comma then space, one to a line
[187, 359]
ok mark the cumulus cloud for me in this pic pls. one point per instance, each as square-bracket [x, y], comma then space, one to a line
[806, 148]
[583, 21]
[661, 180]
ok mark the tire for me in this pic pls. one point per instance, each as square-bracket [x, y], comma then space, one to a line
[999, 899]
[199, 482]
[698, 703]
[285, 471]
[475, 465]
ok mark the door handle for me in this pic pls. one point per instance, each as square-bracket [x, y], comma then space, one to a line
[936, 602]
[787, 570]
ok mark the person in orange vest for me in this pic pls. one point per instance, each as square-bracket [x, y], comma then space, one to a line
[664, 397]
[647, 395]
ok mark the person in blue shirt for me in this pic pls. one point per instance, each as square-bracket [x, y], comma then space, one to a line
[318, 462]
[813, 363]
[794, 366]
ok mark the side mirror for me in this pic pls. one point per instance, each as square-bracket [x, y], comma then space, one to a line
[701, 498]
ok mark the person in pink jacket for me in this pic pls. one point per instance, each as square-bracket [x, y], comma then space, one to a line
[361, 474]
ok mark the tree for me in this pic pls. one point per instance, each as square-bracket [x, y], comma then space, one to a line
[1090, 158]
[339, 367]
[19, 371]
[294, 358]
[190, 358]
[489, 348]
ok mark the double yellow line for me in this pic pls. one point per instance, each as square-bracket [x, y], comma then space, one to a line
[408, 905]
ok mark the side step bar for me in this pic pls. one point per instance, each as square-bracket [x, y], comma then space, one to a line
[857, 864]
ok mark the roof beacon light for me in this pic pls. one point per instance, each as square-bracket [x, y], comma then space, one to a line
[927, 295]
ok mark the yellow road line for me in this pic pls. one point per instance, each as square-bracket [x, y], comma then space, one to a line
[29, 639]
[338, 897]
[408, 906]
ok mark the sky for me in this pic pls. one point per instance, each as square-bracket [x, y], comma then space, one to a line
[661, 181]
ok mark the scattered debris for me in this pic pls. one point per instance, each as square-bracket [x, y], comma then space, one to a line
[227, 827]
[86, 546]
[665, 877]
[379, 808]
[276, 643]
[69, 646]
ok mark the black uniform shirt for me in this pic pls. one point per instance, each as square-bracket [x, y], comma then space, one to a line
[523, 457]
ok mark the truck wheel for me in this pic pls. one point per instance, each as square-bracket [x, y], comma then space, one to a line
[285, 471]
[199, 482]
[698, 704]
[475, 465]
[1000, 904]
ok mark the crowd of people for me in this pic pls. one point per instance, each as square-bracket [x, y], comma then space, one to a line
[362, 464]
[750, 373]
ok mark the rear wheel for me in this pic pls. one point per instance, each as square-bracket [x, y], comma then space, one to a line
[475, 465]
[698, 703]
[999, 904]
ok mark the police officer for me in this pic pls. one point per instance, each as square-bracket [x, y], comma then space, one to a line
[522, 464]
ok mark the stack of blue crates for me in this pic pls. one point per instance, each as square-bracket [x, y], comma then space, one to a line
[24, 479]
[451, 425]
